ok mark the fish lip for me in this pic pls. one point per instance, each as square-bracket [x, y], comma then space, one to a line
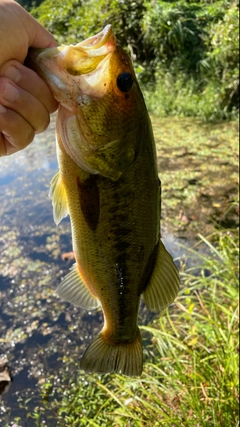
[104, 37]
[100, 44]
[95, 46]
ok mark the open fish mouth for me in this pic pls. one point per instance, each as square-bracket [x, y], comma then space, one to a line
[84, 57]
[73, 70]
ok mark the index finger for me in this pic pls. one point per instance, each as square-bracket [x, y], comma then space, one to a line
[29, 80]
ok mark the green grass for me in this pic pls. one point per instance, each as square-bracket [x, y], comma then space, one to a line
[190, 374]
[182, 97]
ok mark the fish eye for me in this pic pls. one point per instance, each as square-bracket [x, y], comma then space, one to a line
[125, 82]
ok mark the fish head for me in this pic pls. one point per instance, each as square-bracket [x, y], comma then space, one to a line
[101, 103]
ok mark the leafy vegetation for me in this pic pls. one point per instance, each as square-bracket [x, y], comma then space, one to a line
[191, 366]
[28, 4]
[185, 53]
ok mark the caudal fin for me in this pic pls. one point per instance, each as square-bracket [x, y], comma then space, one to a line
[103, 357]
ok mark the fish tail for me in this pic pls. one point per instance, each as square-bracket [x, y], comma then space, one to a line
[103, 357]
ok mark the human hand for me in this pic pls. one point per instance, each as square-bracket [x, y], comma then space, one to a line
[26, 102]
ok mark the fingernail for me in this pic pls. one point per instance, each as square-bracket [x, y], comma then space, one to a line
[2, 109]
[10, 92]
[13, 74]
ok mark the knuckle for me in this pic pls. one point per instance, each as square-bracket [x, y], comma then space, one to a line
[42, 126]
[3, 151]
[3, 82]
[15, 133]
[46, 123]
[9, 92]
[53, 107]
[4, 67]
[28, 137]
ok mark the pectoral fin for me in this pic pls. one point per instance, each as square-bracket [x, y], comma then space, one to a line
[59, 199]
[73, 289]
[164, 283]
[112, 159]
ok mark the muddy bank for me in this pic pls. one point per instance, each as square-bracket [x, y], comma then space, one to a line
[198, 165]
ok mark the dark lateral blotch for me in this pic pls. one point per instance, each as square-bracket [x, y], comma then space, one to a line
[89, 201]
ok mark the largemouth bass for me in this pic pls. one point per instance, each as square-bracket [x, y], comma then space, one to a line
[108, 183]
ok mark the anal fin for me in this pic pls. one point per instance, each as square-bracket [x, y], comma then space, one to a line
[73, 289]
[164, 282]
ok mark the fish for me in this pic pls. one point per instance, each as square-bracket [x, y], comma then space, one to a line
[109, 186]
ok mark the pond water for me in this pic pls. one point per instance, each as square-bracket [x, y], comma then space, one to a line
[37, 329]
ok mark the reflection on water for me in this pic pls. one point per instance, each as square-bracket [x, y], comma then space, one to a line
[37, 329]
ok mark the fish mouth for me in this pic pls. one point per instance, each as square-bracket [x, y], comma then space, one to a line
[104, 38]
[76, 70]
[84, 57]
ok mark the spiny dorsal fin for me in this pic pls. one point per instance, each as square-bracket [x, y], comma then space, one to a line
[164, 283]
[59, 199]
[73, 289]
[102, 356]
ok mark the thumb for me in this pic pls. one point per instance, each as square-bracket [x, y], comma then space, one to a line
[39, 37]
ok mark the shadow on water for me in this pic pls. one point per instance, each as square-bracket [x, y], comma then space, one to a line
[37, 329]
